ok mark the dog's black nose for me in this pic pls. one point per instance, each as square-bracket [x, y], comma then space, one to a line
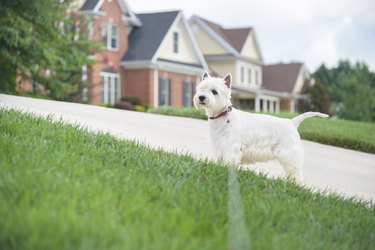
[202, 98]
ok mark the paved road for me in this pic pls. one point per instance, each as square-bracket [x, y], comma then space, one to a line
[343, 171]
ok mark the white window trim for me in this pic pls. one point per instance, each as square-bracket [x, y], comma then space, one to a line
[108, 89]
[242, 74]
[249, 75]
[178, 42]
[187, 95]
[108, 31]
[166, 93]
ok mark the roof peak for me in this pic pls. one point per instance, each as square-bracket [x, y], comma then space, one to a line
[222, 27]
[234, 37]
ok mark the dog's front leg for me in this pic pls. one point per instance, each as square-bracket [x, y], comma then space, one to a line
[231, 155]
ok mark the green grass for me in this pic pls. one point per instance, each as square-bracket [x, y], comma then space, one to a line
[182, 112]
[62, 187]
[341, 133]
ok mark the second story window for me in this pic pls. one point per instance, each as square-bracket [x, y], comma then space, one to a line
[110, 36]
[249, 76]
[175, 42]
[242, 74]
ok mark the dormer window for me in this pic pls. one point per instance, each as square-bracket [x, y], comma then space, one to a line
[176, 39]
[110, 36]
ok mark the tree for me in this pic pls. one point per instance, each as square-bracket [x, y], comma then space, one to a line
[351, 89]
[39, 37]
[318, 97]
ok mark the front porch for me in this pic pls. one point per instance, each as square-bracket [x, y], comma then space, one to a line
[266, 101]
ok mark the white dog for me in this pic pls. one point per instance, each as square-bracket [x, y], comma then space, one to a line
[238, 137]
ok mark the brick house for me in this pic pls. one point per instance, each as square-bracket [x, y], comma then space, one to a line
[151, 56]
[160, 57]
[259, 87]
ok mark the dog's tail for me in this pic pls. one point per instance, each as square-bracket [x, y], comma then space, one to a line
[299, 119]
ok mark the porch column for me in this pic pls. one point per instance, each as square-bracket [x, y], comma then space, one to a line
[156, 86]
[292, 105]
[265, 105]
[257, 104]
[272, 106]
[278, 106]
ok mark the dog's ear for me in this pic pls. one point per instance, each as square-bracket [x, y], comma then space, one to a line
[228, 80]
[205, 75]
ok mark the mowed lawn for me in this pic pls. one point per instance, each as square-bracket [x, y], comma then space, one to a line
[62, 187]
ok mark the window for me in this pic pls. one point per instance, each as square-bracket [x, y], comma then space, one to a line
[114, 37]
[187, 94]
[249, 76]
[175, 42]
[256, 77]
[242, 74]
[164, 92]
[110, 35]
[90, 28]
[110, 87]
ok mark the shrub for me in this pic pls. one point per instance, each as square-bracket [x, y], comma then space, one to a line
[124, 105]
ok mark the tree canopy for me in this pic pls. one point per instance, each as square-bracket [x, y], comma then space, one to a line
[351, 87]
[39, 42]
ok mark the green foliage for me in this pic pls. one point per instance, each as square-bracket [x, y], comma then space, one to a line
[37, 36]
[351, 88]
[181, 111]
[319, 99]
[62, 187]
[341, 133]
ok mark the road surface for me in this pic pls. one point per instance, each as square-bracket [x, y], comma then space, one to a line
[346, 172]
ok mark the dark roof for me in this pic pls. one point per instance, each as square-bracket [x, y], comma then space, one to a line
[145, 40]
[89, 5]
[235, 37]
[281, 77]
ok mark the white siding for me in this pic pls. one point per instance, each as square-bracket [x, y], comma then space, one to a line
[250, 49]
[254, 68]
[186, 52]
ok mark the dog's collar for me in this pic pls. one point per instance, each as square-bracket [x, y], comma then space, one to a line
[225, 112]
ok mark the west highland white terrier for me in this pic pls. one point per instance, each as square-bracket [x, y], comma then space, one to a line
[239, 137]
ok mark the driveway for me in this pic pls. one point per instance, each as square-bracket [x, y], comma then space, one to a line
[346, 172]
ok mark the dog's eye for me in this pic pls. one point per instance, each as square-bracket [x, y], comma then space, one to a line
[214, 92]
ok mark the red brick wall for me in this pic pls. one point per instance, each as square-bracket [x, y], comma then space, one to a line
[177, 80]
[113, 15]
[138, 83]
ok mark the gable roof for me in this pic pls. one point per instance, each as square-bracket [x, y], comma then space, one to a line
[281, 77]
[234, 37]
[89, 5]
[93, 6]
[145, 41]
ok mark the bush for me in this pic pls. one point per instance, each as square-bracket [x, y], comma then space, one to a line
[140, 108]
[132, 99]
[124, 105]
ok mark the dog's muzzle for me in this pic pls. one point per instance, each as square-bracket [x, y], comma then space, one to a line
[201, 100]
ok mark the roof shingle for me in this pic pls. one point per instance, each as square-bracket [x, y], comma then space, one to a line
[235, 37]
[281, 77]
[145, 40]
[89, 5]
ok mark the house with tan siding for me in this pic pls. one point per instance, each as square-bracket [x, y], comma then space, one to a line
[259, 87]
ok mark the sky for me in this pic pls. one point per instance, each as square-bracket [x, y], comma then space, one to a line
[308, 31]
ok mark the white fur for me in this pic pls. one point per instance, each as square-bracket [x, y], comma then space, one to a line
[244, 138]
